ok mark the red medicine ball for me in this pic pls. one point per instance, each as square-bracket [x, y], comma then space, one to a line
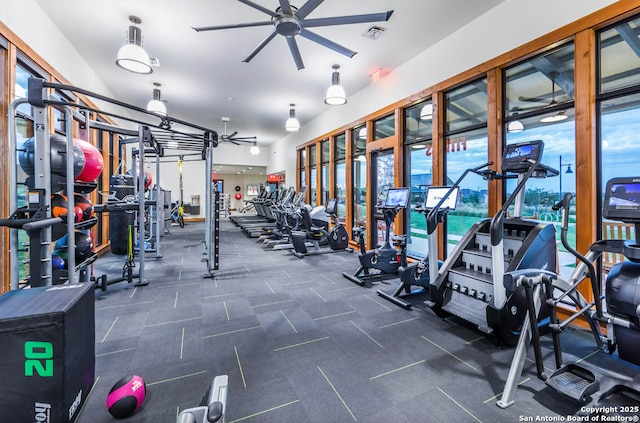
[83, 207]
[93, 162]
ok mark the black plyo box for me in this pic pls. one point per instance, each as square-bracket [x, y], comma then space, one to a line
[47, 339]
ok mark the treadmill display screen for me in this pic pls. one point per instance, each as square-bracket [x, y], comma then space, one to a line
[435, 194]
[397, 197]
[622, 199]
[516, 156]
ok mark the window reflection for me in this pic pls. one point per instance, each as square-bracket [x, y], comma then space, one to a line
[619, 64]
[543, 84]
[384, 127]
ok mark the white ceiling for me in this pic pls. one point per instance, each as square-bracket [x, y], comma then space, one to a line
[202, 74]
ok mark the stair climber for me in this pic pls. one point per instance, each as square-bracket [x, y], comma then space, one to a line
[606, 390]
[469, 284]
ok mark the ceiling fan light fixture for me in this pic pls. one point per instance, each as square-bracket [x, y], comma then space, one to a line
[515, 126]
[335, 93]
[156, 105]
[132, 56]
[362, 133]
[292, 124]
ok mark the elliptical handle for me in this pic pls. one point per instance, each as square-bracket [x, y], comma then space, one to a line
[564, 202]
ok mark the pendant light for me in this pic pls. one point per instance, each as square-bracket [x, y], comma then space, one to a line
[426, 113]
[335, 94]
[132, 56]
[292, 123]
[255, 150]
[156, 105]
[515, 126]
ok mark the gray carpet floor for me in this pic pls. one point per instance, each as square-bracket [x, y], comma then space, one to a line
[299, 343]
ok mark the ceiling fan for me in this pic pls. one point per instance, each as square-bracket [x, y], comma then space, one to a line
[544, 100]
[290, 21]
[232, 138]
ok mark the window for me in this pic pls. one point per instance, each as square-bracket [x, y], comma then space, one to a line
[418, 173]
[340, 172]
[618, 102]
[466, 145]
[24, 131]
[325, 156]
[359, 165]
[384, 127]
[383, 163]
[619, 65]
[59, 116]
[302, 154]
[312, 176]
[539, 95]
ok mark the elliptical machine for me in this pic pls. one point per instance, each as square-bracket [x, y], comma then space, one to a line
[438, 201]
[617, 308]
[386, 259]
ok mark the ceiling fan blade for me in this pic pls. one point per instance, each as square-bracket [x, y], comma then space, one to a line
[286, 7]
[233, 134]
[242, 25]
[307, 8]
[327, 43]
[260, 8]
[244, 138]
[232, 141]
[260, 46]
[295, 52]
[534, 99]
[344, 20]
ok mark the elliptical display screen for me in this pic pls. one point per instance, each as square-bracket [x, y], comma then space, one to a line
[516, 156]
[397, 197]
[435, 194]
[622, 200]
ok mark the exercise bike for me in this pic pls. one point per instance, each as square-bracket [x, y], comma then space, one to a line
[213, 406]
[387, 259]
[336, 239]
[616, 308]
[438, 202]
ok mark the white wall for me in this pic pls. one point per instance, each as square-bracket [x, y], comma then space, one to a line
[507, 26]
[23, 16]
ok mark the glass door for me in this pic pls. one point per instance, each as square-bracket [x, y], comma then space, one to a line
[382, 177]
